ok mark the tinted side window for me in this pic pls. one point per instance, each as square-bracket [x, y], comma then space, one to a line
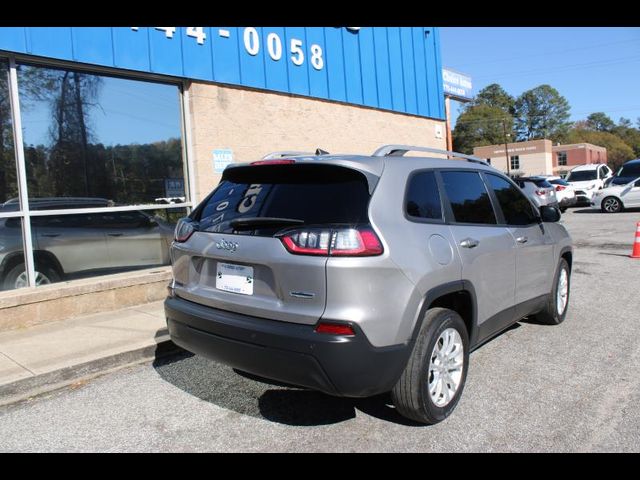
[469, 197]
[81, 220]
[515, 206]
[423, 198]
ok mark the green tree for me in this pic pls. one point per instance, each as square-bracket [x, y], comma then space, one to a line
[628, 134]
[600, 121]
[495, 96]
[542, 113]
[481, 125]
[618, 151]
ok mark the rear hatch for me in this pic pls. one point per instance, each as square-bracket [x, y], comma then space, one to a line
[259, 237]
[544, 189]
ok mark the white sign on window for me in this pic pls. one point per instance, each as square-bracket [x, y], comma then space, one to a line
[222, 158]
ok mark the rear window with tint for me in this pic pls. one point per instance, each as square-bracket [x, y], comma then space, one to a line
[315, 194]
[542, 183]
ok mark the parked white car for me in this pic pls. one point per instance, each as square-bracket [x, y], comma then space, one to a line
[618, 197]
[565, 192]
[588, 179]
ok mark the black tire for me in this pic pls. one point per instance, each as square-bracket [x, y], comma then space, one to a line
[616, 205]
[411, 395]
[550, 315]
[563, 209]
[10, 279]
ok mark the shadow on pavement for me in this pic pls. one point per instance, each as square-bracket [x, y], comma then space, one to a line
[597, 210]
[587, 210]
[248, 395]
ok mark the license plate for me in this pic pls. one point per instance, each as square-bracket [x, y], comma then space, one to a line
[234, 278]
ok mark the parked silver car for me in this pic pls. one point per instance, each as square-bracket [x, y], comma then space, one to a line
[68, 246]
[539, 190]
[357, 275]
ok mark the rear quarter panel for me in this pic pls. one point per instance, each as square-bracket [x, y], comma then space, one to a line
[392, 287]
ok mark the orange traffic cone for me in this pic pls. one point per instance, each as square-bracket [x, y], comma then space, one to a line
[636, 244]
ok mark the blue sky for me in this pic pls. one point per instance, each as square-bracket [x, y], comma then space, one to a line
[595, 69]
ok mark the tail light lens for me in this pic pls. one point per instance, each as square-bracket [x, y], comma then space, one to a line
[335, 329]
[345, 242]
[184, 229]
[559, 188]
[541, 192]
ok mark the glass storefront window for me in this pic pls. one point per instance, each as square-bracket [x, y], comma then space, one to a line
[80, 245]
[94, 142]
[92, 138]
[8, 177]
[11, 254]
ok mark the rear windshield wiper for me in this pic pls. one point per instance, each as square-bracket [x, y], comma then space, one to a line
[262, 222]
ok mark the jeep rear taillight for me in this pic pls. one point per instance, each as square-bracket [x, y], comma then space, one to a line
[335, 242]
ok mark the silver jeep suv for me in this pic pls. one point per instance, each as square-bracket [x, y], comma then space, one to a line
[358, 275]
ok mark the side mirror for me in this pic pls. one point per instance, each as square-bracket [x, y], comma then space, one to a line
[549, 214]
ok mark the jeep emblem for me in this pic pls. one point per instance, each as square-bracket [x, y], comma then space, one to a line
[225, 245]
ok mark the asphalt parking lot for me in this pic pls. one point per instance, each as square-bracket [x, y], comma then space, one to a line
[568, 388]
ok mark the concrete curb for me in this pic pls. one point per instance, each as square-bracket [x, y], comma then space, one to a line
[26, 388]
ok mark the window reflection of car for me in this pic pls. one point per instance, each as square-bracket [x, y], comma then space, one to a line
[81, 244]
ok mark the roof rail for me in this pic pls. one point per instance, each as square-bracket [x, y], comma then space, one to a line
[292, 153]
[400, 150]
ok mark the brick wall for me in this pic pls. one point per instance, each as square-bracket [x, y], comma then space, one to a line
[254, 123]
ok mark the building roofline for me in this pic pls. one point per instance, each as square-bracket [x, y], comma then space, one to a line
[586, 144]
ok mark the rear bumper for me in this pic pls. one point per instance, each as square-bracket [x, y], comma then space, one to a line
[292, 353]
[568, 202]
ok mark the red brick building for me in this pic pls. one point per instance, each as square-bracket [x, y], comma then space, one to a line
[565, 157]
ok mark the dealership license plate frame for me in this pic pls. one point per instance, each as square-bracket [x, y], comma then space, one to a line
[234, 278]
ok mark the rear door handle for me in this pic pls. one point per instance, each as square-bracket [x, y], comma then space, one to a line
[469, 243]
[51, 235]
[115, 234]
[522, 239]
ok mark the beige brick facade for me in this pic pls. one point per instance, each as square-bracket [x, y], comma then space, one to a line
[253, 123]
[535, 157]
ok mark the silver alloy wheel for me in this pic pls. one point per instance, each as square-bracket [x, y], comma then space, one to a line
[611, 205]
[41, 279]
[562, 294]
[445, 367]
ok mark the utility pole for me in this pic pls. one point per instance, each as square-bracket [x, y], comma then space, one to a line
[447, 109]
[506, 149]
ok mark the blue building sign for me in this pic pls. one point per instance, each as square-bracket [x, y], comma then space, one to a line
[393, 68]
[457, 85]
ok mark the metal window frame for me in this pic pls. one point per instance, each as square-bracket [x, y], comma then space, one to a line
[517, 159]
[24, 211]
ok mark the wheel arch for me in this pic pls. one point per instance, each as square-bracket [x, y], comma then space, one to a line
[567, 254]
[459, 296]
[39, 257]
